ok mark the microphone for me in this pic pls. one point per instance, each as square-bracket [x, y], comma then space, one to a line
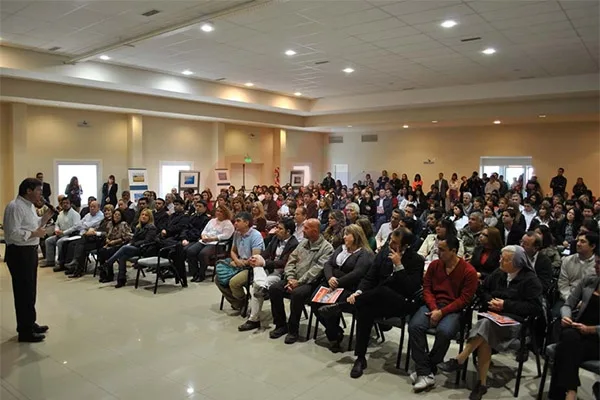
[50, 206]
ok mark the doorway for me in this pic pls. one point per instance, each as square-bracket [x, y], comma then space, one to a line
[87, 173]
[512, 168]
[246, 174]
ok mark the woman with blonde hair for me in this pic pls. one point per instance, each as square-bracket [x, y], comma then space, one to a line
[345, 268]
[258, 217]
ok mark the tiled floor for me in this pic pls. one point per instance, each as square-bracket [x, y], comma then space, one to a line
[130, 344]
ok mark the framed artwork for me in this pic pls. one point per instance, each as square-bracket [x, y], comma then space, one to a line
[189, 180]
[222, 178]
[297, 179]
[138, 179]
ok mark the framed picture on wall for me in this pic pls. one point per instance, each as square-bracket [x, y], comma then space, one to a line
[189, 180]
[297, 179]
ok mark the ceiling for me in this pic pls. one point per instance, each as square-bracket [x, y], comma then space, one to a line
[391, 45]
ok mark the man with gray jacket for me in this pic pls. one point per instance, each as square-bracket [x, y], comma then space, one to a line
[301, 276]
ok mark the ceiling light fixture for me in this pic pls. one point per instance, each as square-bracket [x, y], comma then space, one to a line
[449, 24]
[497, 122]
[298, 94]
[405, 126]
[434, 122]
[348, 70]
[207, 27]
[349, 126]
[187, 72]
[290, 53]
[249, 84]
[104, 57]
[190, 390]
[542, 115]
[489, 51]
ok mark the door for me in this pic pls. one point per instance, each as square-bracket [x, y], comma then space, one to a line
[87, 173]
[248, 174]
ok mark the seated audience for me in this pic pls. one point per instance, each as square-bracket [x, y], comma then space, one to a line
[270, 207]
[67, 218]
[544, 217]
[310, 204]
[486, 255]
[352, 211]
[247, 242]
[324, 211]
[119, 233]
[198, 253]
[510, 231]
[301, 276]
[443, 230]
[529, 213]
[142, 204]
[367, 228]
[258, 218]
[299, 218]
[578, 341]
[470, 233]
[489, 219]
[467, 204]
[161, 214]
[145, 233]
[512, 290]
[190, 236]
[576, 267]
[335, 228]
[128, 213]
[386, 290]
[459, 218]
[532, 244]
[345, 268]
[268, 269]
[448, 287]
[431, 222]
[86, 210]
[387, 228]
[567, 229]
[549, 249]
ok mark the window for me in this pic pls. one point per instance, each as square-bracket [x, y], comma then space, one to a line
[86, 173]
[341, 172]
[169, 175]
[512, 168]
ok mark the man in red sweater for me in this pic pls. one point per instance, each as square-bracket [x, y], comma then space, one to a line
[448, 287]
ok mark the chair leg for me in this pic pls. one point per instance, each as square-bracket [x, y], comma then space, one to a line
[382, 334]
[222, 300]
[137, 276]
[352, 326]
[376, 327]
[407, 362]
[316, 328]
[400, 346]
[158, 274]
[305, 313]
[310, 320]
[543, 380]
[343, 322]
[518, 381]
[536, 351]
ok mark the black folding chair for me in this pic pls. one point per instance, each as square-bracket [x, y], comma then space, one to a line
[160, 263]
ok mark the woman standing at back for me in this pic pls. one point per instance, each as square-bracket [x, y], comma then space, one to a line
[109, 192]
[74, 191]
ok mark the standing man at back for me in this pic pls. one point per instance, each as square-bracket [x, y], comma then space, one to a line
[442, 185]
[46, 190]
[22, 232]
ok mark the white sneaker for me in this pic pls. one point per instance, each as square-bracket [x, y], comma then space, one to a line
[424, 383]
[413, 378]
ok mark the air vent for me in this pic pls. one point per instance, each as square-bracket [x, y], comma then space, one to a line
[336, 139]
[527, 77]
[220, 79]
[472, 39]
[150, 13]
[54, 48]
[321, 62]
[409, 88]
[368, 138]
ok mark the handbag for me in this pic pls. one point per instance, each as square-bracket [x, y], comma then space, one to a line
[225, 271]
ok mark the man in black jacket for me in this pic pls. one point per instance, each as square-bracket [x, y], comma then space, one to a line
[161, 216]
[532, 244]
[268, 268]
[328, 182]
[396, 275]
[558, 184]
[510, 231]
[173, 234]
[46, 190]
[190, 234]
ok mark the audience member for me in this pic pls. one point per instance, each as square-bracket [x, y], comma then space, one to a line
[67, 219]
[558, 184]
[458, 217]
[387, 228]
[85, 210]
[142, 204]
[470, 233]
[335, 228]
[486, 255]
[119, 233]
[109, 192]
[532, 244]
[270, 207]
[510, 231]
[443, 230]
[46, 189]
[299, 218]
[74, 191]
[161, 215]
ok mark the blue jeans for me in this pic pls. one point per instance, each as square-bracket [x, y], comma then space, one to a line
[121, 256]
[445, 331]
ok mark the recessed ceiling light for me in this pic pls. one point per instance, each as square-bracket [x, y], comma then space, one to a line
[497, 122]
[449, 24]
[290, 53]
[348, 70]
[249, 84]
[542, 115]
[190, 390]
[187, 72]
[489, 51]
[434, 122]
[104, 57]
[297, 94]
[405, 126]
[207, 27]
[349, 126]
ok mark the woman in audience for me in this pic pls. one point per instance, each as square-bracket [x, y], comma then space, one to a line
[410, 199]
[459, 218]
[237, 205]
[486, 256]
[402, 194]
[464, 186]
[502, 205]
[368, 207]
[145, 233]
[421, 200]
[367, 228]
[324, 211]
[404, 182]
[580, 188]
[488, 216]
[519, 218]
[566, 230]
[345, 268]
[513, 290]
[453, 189]
[417, 182]
[335, 227]
[258, 217]
[443, 229]
[73, 191]
[548, 248]
[543, 217]
[578, 340]
[206, 197]
[109, 192]
[119, 233]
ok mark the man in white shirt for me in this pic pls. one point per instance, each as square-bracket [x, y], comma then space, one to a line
[387, 228]
[66, 219]
[299, 219]
[90, 221]
[22, 232]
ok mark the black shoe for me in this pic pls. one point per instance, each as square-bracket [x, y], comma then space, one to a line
[291, 338]
[451, 365]
[31, 337]
[278, 332]
[76, 274]
[59, 268]
[359, 366]
[330, 310]
[198, 278]
[522, 356]
[120, 284]
[249, 325]
[336, 345]
[40, 328]
[478, 391]
[106, 279]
